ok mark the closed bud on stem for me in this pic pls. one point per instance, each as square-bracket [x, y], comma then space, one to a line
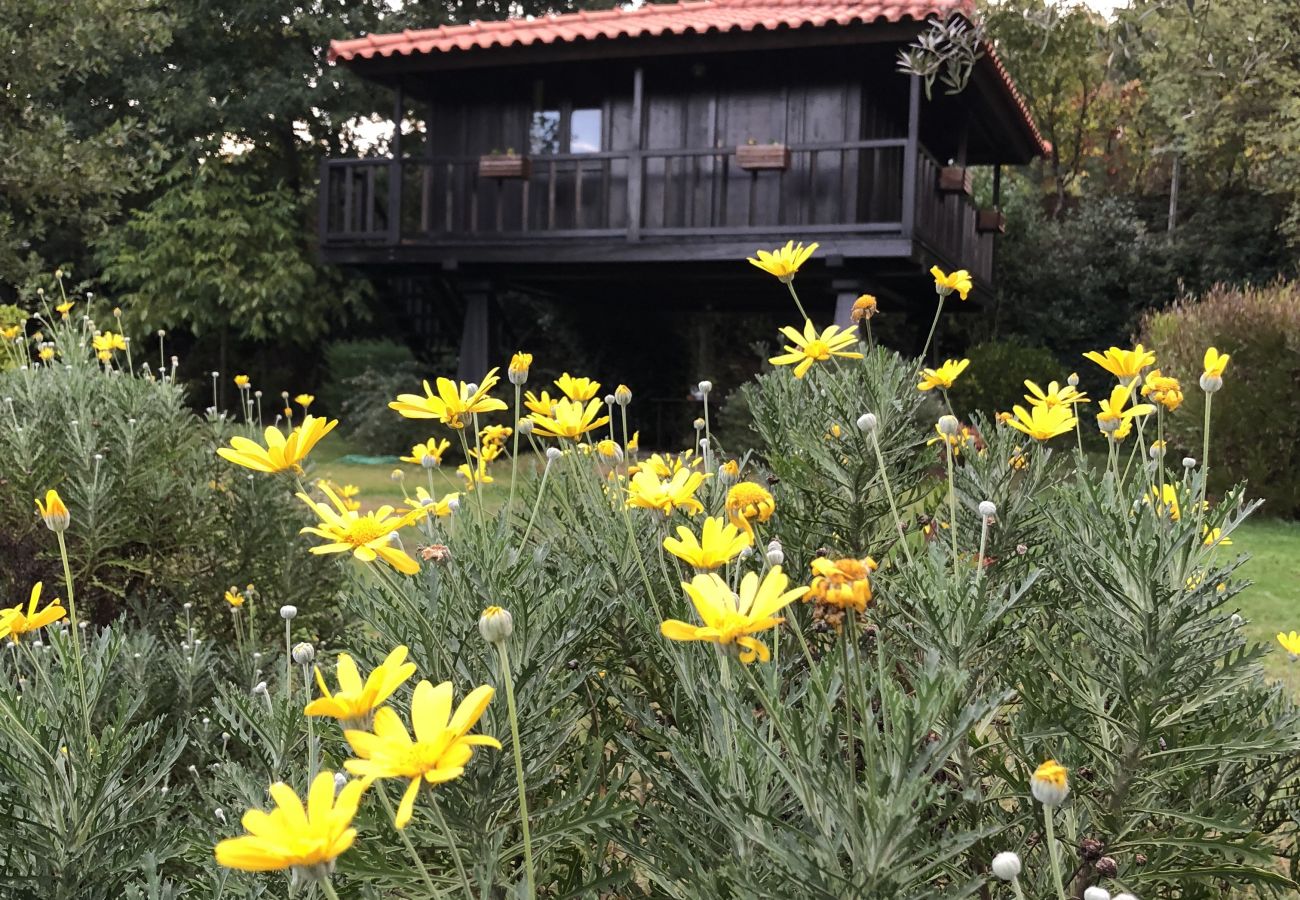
[553, 453]
[699, 424]
[496, 625]
[1006, 866]
[54, 513]
[1073, 380]
[259, 688]
[867, 423]
[705, 387]
[287, 612]
[525, 427]
[1096, 893]
[304, 653]
[1189, 462]
[1211, 383]
[623, 395]
[949, 426]
[988, 509]
[775, 553]
[609, 399]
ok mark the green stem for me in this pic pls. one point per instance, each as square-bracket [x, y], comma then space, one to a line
[328, 889]
[76, 632]
[406, 840]
[920, 360]
[508, 678]
[455, 848]
[790, 287]
[850, 634]
[889, 492]
[541, 489]
[1205, 468]
[1052, 853]
[952, 506]
[514, 457]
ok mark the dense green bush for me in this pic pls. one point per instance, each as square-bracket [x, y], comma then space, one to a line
[995, 381]
[1257, 414]
[347, 360]
[161, 519]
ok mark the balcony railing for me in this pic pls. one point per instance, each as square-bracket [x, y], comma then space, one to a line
[848, 187]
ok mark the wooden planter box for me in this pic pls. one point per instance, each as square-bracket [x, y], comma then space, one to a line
[990, 221]
[763, 157]
[955, 180]
[503, 167]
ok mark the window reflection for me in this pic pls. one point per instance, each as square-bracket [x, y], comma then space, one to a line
[584, 131]
[544, 132]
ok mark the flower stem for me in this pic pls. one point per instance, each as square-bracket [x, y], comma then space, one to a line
[455, 849]
[1205, 465]
[541, 489]
[514, 456]
[889, 492]
[790, 286]
[328, 889]
[508, 678]
[76, 631]
[952, 505]
[406, 840]
[1052, 853]
[920, 360]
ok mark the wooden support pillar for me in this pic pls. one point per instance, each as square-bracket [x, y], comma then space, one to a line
[475, 335]
[395, 171]
[910, 157]
[635, 161]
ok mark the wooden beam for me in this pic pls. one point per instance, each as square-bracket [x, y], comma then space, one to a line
[635, 159]
[395, 170]
[910, 154]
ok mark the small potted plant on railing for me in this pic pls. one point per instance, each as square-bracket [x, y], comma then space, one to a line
[503, 165]
[755, 157]
[954, 180]
[990, 221]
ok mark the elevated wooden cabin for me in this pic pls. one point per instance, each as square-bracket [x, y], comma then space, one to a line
[646, 152]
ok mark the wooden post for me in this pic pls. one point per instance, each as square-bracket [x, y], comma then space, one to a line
[395, 172]
[475, 334]
[323, 203]
[910, 153]
[635, 161]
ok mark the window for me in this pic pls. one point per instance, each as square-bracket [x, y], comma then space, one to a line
[565, 130]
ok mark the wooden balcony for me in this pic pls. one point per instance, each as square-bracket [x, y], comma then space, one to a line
[870, 199]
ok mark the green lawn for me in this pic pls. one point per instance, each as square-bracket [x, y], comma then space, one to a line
[1272, 603]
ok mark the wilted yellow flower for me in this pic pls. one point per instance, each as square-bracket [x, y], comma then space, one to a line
[453, 403]
[53, 511]
[1055, 395]
[748, 502]
[16, 621]
[843, 583]
[732, 618]
[235, 598]
[307, 839]
[863, 308]
[428, 453]
[718, 544]
[1112, 414]
[1050, 783]
[441, 749]
[1290, 643]
[64, 308]
[810, 346]
[945, 284]
[942, 377]
[784, 262]
[1042, 423]
[570, 419]
[517, 371]
[1162, 389]
[577, 389]
[1123, 364]
[367, 537]
[280, 453]
[648, 491]
[355, 700]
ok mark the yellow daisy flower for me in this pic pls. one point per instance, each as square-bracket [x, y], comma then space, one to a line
[784, 262]
[1123, 364]
[356, 700]
[367, 537]
[16, 621]
[731, 618]
[280, 453]
[453, 404]
[942, 377]
[810, 347]
[292, 836]
[719, 543]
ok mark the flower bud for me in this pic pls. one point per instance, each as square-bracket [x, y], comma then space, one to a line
[705, 387]
[1236, 620]
[220, 815]
[56, 515]
[496, 625]
[454, 504]
[259, 688]
[1096, 893]
[340, 781]
[1156, 450]
[1108, 426]
[746, 553]
[699, 424]
[1073, 380]
[1189, 462]
[949, 426]
[1050, 783]
[1006, 866]
[553, 453]
[525, 427]
[303, 653]
[609, 399]
[775, 553]
[287, 612]
[518, 369]
[187, 605]
[1211, 383]
[622, 395]
[988, 509]
[867, 423]
[729, 472]
[1107, 868]
[1123, 897]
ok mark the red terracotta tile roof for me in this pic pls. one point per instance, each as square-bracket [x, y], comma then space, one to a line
[654, 20]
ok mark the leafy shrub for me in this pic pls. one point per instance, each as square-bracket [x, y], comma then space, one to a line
[162, 520]
[347, 360]
[995, 381]
[1260, 328]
